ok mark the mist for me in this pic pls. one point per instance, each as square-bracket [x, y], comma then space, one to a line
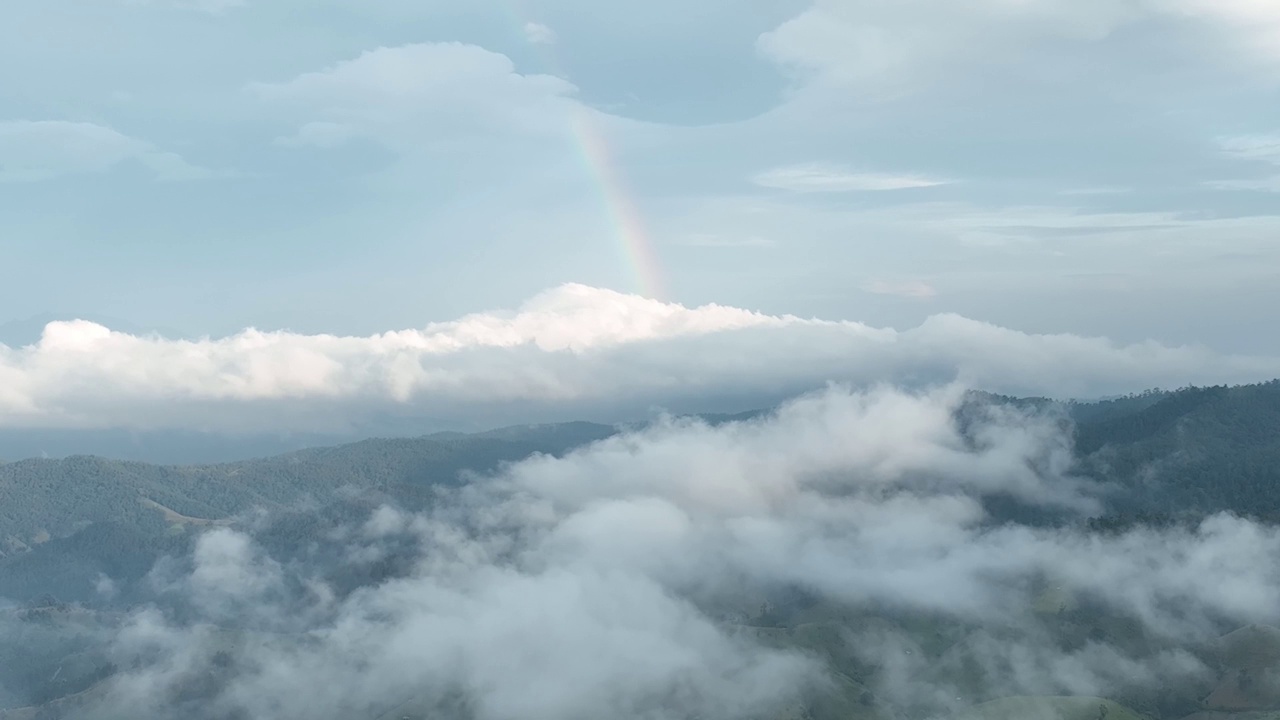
[645, 575]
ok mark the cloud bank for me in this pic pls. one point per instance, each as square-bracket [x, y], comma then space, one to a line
[568, 353]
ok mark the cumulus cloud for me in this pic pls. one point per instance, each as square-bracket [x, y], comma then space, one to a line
[821, 178]
[427, 95]
[624, 578]
[571, 352]
[45, 149]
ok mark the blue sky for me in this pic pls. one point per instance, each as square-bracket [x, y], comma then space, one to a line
[1097, 168]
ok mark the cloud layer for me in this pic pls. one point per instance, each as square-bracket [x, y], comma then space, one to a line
[571, 352]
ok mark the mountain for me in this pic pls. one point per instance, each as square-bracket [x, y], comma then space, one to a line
[84, 540]
[1196, 450]
[52, 511]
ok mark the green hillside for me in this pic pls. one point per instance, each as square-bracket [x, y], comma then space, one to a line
[41, 497]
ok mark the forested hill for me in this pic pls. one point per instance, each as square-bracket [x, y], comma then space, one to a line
[1195, 450]
[53, 497]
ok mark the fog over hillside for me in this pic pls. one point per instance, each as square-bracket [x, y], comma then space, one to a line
[836, 558]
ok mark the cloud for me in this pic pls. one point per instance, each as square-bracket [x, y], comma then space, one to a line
[725, 241]
[1253, 27]
[1267, 184]
[867, 43]
[1252, 147]
[568, 353]
[818, 178]
[212, 7]
[1098, 190]
[539, 34]
[916, 289]
[44, 149]
[1259, 148]
[319, 134]
[422, 96]
[623, 579]
[887, 49]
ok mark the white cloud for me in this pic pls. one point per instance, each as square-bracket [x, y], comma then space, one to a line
[568, 352]
[1252, 147]
[213, 7]
[539, 34]
[1267, 184]
[318, 134]
[711, 240]
[886, 44]
[892, 47]
[827, 178]
[1260, 148]
[45, 149]
[916, 289]
[1252, 26]
[429, 95]
[1098, 190]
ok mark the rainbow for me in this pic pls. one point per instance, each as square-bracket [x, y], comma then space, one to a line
[624, 215]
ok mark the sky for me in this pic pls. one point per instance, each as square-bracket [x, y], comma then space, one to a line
[483, 213]
[203, 166]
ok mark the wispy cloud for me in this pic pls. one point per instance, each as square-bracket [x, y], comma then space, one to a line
[45, 149]
[539, 34]
[212, 7]
[1260, 148]
[915, 289]
[420, 96]
[1268, 184]
[1252, 147]
[820, 178]
[726, 241]
[1099, 190]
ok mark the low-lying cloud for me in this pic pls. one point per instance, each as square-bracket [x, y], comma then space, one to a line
[625, 578]
[570, 353]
